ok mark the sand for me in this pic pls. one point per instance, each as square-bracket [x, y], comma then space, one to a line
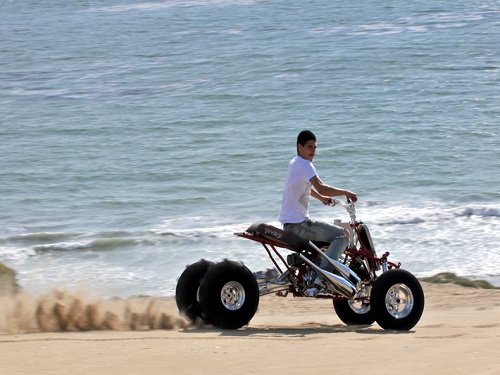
[459, 333]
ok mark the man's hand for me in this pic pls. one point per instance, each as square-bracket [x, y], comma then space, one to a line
[327, 200]
[351, 196]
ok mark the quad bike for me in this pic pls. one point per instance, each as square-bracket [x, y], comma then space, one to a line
[364, 288]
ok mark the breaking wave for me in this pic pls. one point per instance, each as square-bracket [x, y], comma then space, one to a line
[37, 237]
[416, 216]
[200, 228]
[93, 245]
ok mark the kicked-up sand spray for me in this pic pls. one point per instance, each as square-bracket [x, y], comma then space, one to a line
[59, 310]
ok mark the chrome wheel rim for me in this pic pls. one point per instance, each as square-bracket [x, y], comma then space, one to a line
[399, 301]
[359, 307]
[362, 304]
[232, 295]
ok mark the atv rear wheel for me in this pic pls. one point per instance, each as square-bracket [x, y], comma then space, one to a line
[229, 295]
[397, 300]
[186, 292]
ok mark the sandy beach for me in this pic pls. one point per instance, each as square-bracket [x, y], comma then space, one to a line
[459, 333]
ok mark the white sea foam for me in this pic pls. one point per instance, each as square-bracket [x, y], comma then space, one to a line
[15, 253]
[415, 24]
[198, 227]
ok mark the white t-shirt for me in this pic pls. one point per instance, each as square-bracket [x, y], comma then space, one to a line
[295, 203]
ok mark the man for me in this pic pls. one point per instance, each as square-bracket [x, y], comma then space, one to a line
[302, 181]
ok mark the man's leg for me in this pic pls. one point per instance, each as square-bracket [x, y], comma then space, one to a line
[322, 232]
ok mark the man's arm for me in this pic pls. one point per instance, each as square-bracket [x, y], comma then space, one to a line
[323, 189]
[324, 199]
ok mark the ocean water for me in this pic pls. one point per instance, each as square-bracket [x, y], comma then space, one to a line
[137, 137]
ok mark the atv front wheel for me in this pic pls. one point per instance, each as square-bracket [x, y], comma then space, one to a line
[186, 292]
[397, 300]
[354, 312]
[229, 295]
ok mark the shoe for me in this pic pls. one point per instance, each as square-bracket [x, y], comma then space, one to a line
[311, 292]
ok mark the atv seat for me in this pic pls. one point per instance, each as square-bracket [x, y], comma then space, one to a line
[282, 238]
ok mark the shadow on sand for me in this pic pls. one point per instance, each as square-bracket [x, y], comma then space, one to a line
[304, 330]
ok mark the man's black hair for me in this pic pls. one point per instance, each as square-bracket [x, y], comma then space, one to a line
[305, 136]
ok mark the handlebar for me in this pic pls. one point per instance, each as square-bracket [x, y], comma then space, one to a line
[349, 207]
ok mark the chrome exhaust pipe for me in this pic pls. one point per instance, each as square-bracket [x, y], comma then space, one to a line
[342, 269]
[340, 284]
